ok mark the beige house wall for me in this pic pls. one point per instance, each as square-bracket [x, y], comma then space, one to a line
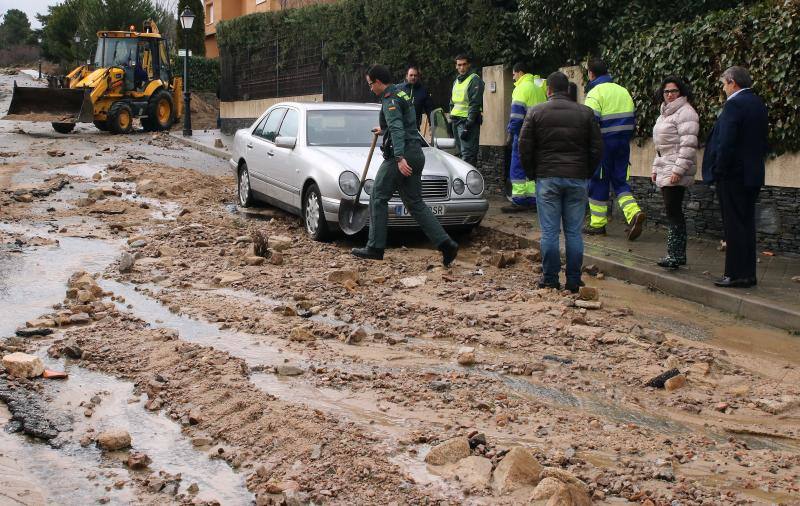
[254, 108]
[496, 105]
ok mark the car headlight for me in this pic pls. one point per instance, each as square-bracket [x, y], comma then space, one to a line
[475, 182]
[368, 184]
[458, 186]
[348, 183]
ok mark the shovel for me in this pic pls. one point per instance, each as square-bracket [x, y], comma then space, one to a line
[352, 213]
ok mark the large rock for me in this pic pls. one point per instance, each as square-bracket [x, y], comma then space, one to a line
[225, 278]
[114, 439]
[517, 469]
[280, 242]
[23, 365]
[474, 471]
[546, 489]
[340, 276]
[413, 281]
[569, 495]
[448, 452]
[466, 355]
[563, 476]
[126, 262]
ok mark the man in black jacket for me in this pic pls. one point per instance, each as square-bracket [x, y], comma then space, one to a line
[418, 92]
[734, 159]
[560, 146]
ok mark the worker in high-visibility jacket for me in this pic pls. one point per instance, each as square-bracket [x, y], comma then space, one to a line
[466, 110]
[529, 90]
[613, 108]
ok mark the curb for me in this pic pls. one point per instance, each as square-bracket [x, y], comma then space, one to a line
[744, 306]
[219, 153]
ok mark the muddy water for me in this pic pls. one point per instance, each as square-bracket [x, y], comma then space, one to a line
[154, 434]
[33, 280]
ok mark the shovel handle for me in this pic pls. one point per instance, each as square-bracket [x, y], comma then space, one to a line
[366, 165]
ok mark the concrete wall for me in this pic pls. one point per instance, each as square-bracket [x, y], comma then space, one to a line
[235, 115]
[496, 104]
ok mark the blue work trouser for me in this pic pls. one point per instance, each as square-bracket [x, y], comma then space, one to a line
[613, 173]
[561, 200]
[523, 191]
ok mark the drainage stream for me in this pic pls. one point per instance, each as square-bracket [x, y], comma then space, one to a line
[31, 280]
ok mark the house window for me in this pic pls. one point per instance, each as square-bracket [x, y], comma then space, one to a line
[209, 12]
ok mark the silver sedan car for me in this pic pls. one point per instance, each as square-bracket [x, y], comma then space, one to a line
[307, 157]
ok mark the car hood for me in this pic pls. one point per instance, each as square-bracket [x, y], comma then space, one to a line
[353, 159]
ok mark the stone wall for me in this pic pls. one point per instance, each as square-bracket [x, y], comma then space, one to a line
[778, 222]
[493, 162]
[231, 125]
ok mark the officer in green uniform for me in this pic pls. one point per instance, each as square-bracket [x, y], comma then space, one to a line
[400, 171]
[466, 110]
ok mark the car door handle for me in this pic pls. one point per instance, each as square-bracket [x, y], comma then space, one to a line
[249, 146]
[271, 153]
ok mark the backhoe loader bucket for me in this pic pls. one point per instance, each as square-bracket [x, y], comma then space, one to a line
[56, 105]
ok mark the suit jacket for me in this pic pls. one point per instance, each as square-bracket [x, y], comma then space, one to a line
[737, 145]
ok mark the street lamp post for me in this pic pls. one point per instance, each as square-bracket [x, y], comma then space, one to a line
[77, 39]
[187, 19]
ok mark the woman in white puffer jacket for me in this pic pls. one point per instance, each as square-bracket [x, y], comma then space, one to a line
[675, 138]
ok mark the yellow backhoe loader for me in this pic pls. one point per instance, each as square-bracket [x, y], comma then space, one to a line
[130, 77]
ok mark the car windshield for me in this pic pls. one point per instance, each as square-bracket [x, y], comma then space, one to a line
[115, 52]
[343, 128]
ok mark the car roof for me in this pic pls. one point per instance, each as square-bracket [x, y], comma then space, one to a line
[327, 106]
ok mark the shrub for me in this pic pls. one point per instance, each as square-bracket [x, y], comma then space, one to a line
[203, 72]
[764, 37]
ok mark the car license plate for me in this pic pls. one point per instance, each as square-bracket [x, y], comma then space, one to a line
[437, 210]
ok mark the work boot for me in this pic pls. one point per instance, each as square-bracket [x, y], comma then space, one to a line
[449, 249]
[549, 284]
[670, 261]
[590, 230]
[368, 253]
[574, 287]
[637, 223]
[516, 208]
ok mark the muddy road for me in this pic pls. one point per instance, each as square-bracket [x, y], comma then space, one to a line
[306, 375]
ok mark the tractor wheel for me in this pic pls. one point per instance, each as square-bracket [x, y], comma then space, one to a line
[120, 118]
[101, 125]
[160, 112]
[63, 128]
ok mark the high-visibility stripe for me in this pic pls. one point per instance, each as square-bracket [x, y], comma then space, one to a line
[515, 115]
[523, 188]
[620, 128]
[618, 115]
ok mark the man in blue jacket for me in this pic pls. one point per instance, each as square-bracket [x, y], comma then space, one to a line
[734, 160]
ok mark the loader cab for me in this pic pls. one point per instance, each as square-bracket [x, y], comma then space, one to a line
[142, 59]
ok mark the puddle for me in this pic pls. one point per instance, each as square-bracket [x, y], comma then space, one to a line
[33, 280]
[84, 170]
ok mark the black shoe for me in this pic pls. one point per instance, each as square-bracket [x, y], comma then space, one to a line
[449, 249]
[574, 288]
[516, 208]
[669, 263]
[637, 223]
[556, 285]
[368, 253]
[590, 230]
[728, 282]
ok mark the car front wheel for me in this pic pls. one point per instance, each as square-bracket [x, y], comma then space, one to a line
[243, 187]
[314, 215]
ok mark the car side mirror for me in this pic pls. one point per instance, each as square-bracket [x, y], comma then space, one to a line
[286, 142]
[444, 143]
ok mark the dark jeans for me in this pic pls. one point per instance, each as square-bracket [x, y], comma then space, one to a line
[387, 181]
[561, 200]
[738, 205]
[673, 204]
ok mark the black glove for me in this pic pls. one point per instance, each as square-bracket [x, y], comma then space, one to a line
[464, 134]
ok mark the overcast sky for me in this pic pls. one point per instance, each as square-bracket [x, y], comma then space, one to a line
[29, 7]
[34, 7]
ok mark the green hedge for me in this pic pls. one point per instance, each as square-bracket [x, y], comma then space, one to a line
[203, 72]
[358, 32]
[764, 37]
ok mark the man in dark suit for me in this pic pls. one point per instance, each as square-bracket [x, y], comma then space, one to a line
[734, 160]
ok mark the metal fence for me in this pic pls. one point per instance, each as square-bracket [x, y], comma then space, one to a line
[276, 69]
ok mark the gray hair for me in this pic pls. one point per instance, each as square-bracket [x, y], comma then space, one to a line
[739, 75]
